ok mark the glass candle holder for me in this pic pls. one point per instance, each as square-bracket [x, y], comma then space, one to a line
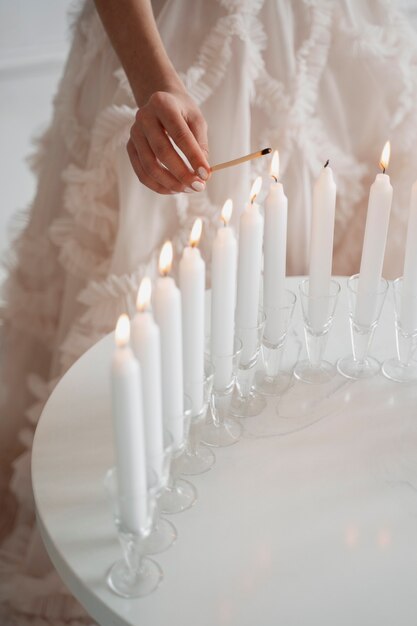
[178, 495]
[363, 321]
[318, 314]
[403, 367]
[270, 380]
[246, 401]
[163, 532]
[197, 457]
[220, 429]
[134, 575]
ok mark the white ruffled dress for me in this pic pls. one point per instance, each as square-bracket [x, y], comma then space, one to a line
[318, 79]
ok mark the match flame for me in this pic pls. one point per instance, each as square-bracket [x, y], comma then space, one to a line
[274, 171]
[143, 300]
[165, 258]
[256, 188]
[122, 334]
[227, 211]
[383, 163]
[196, 232]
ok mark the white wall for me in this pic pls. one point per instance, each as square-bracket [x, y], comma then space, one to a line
[34, 40]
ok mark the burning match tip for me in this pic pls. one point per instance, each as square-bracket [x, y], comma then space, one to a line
[266, 151]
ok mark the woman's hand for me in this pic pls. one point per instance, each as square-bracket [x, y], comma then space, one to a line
[156, 162]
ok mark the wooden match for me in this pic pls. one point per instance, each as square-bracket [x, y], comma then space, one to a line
[247, 157]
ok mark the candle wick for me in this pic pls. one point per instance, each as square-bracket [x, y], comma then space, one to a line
[383, 169]
[275, 178]
[252, 200]
[327, 163]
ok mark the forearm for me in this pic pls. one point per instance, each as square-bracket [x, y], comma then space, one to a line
[132, 31]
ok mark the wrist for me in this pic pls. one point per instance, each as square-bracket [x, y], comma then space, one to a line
[169, 82]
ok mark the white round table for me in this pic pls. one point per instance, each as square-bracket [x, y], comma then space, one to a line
[316, 526]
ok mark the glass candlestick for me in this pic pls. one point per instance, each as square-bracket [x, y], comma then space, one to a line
[403, 368]
[220, 429]
[246, 401]
[197, 457]
[163, 532]
[360, 364]
[318, 314]
[270, 380]
[134, 575]
[178, 494]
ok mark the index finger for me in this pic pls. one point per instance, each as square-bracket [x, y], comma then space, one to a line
[180, 133]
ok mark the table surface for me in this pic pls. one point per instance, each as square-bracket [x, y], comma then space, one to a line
[316, 525]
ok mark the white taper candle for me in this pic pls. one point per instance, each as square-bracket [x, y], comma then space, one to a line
[129, 434]
[192, 277]
[223, 299]
[146, 344]
[275, 252]
[167, 306]
[376, 230]
[321, 246]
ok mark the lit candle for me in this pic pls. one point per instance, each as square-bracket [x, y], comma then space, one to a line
[223, 299]
[249, 267]
[167, 301]
[321, 246]
[192, 287]
[376, 230]
[146, 345]
[409, 287]
[129, 436]
[275, 250]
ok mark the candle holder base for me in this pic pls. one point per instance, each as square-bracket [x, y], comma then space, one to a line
[162, 537]
[272, 385]
[225, 433]
[247, 406]
[201, 460]
[349, 367]
[314, 374]
[399, 372]
[177, 497]
[136, 584]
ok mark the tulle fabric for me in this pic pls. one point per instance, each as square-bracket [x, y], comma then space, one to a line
[318, 79]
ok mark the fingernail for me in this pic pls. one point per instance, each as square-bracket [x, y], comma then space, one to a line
[197, 185]
[188, 190]
[203, 173]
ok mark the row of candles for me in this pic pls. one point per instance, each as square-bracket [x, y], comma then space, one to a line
[167, 353]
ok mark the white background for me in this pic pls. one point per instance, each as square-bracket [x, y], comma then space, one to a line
[34, 41]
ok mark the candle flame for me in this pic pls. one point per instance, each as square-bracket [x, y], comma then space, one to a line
[143, 300]
[383, 163]
[256, 188]
[196, 232]
[165, 258]
[227, 211]
[122, 333]
[274, 171]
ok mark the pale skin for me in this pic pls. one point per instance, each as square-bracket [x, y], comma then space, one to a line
[165, 107]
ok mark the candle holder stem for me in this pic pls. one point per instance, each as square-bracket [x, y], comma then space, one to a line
[361, 338]
[178, 494]
[134, 575]
[198, 458]
[271, 380]
[318, 313]
[403, 367]
[366, 305]
[246, 401]
[220, 429]
[315, 346]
